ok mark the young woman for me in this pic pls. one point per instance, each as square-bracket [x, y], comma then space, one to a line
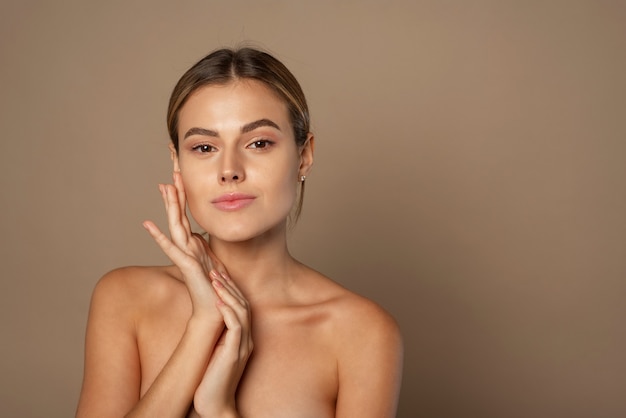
[177, 341]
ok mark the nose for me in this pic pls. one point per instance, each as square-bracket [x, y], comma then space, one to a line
[231, 170]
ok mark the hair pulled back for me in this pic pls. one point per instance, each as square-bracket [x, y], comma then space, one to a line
[226, 65]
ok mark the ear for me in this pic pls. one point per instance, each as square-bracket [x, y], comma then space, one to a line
[306, 155]
[174, 157]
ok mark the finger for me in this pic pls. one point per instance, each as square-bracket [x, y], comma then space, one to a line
[237, 322]
[229, 291]
[239, 305]
[232, 287]
[175, 254]
[237, 340]
[163, 195]
[241, 308]
[226, 279]
[216, 264]
[178, 233]
[195, 277]
[182, 201]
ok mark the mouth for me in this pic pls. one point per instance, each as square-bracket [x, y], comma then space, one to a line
[233, 201]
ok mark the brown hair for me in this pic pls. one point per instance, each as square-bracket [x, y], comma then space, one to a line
[226, 65]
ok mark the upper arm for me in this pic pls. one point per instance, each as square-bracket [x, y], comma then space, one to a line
[370, 366]
[111, 381]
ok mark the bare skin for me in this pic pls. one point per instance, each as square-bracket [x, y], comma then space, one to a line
[237, 328]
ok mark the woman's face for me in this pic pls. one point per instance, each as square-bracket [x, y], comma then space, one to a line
[238, 159]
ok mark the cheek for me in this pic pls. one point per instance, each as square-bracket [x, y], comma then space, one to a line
[194, 173]
[288, 197]
[193, 191]
[282, 179]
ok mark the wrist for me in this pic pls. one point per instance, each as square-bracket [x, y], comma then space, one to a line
[203, 334]
[205, 324]
[225, 414]
[212, 408]
[229, 414]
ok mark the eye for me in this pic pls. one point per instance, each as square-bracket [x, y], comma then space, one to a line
[261, 144]
[204, 148]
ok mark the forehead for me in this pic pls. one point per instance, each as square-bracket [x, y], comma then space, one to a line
[231, 105]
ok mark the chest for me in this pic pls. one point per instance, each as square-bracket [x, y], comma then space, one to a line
[292, 371]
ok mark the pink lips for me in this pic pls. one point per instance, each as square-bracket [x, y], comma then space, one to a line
[233, 201]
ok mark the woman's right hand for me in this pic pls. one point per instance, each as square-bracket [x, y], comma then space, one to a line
[188, 250]
[215, 395]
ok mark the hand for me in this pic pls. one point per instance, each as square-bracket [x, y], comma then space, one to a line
[215, 396]
[189, 251]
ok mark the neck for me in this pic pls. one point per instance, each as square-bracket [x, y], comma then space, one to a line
[261, 266]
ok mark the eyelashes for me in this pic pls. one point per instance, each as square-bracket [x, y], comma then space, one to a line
[204, 148]
[259, 144]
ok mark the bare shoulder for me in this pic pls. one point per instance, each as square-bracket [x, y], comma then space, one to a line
[356, 319]
[122, 299]
[363, 321]
[369, 353]
[132, 276]
[138, 287]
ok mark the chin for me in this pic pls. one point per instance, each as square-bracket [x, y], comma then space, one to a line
[232, 237]
[239, 233]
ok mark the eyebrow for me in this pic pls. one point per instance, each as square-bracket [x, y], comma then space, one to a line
[200, 131]
[257, 124]
[248, 127]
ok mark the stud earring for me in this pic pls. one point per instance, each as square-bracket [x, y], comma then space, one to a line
[302, 178]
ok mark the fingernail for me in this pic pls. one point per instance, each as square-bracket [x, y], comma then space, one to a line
[214, 274]
[216, 283]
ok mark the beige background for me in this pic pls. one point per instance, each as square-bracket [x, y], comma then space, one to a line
[469, 177]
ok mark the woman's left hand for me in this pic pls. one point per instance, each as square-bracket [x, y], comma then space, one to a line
[215, 396]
